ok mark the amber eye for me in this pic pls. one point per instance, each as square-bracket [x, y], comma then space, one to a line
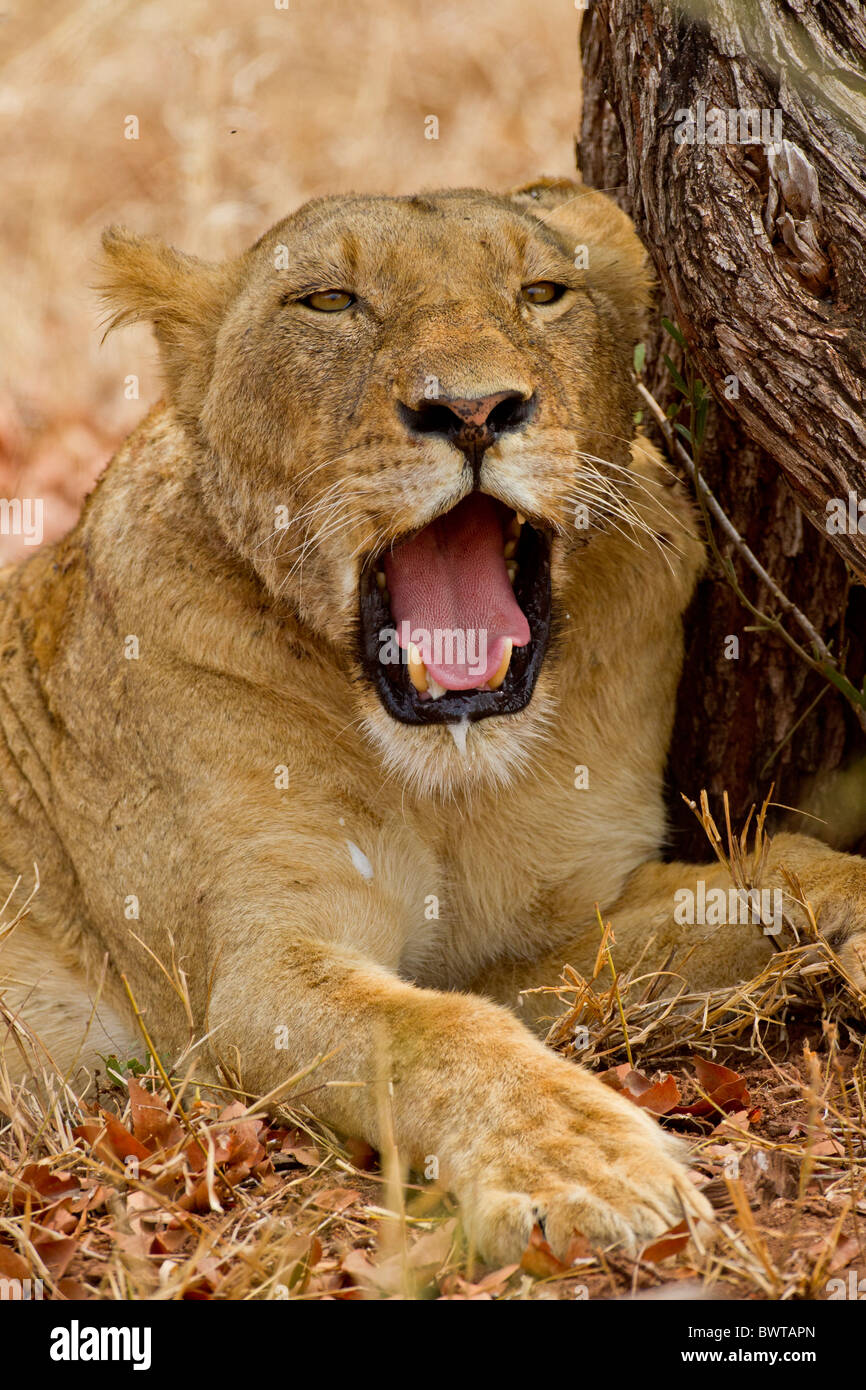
[329, 301]
[543, 292]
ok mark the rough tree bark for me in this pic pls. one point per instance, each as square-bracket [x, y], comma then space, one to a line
[760, 252]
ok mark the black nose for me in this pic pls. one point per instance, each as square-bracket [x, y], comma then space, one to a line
[471, 425]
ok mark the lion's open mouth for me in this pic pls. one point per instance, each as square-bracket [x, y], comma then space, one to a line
[455, 618]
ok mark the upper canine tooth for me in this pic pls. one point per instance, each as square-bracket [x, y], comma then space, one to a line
[499, 676]
[510, 549]
[434, 689]
[519, 518]
[417, 669]
[515, 525]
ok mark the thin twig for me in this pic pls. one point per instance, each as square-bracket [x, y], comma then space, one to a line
[730, 529]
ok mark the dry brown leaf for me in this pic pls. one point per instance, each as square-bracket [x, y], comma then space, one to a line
[109, 1139]
[538, 1259]
[57, 1254]
[299, 1146]
[151, 1122]
[671, 1243]
[12, 1266]
[336, 1199]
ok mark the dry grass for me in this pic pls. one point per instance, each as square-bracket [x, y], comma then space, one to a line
[149, 1189]
[244, 112]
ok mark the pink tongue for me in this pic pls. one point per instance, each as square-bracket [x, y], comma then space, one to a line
[451, 596]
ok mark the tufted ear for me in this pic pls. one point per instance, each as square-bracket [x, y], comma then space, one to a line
[184, 298]
[616, 261]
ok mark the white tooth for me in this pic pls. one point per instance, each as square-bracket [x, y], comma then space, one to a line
[434, 688]
[519, 518]
[510, 549]
[511, 567]
[502, 670]
[417, 669]
[381, 581]
[515, 526]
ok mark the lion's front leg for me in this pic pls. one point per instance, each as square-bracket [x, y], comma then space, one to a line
[691, 919]
[520, 1135]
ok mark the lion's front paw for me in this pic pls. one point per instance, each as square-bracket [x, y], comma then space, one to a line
[588, 1162]
[852, 957]
[839, 924]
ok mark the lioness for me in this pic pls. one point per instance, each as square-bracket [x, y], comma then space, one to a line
[292, 718]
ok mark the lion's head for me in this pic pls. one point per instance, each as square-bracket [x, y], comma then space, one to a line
[399, 406]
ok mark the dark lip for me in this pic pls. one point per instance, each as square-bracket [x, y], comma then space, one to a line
[392, 684]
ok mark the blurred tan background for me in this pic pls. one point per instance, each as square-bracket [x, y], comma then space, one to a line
[244, 111]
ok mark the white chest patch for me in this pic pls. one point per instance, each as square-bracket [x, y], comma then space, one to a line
[360, 860]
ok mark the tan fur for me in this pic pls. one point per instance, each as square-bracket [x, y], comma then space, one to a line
[155, 778]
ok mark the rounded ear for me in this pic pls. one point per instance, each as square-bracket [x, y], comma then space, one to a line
[184, 298]
[598, 236]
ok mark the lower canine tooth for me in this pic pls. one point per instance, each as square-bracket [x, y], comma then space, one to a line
[510, 549]
[417, 669]
[500, 674]
[381, 581]
[511, 567]
[434, 689]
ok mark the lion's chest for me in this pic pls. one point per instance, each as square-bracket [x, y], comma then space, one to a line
[522, 871]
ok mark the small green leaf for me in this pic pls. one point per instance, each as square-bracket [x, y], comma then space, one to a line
[114, 1069]
[701, 419]
[673, 332]
[686, 433]
[638, 417]
[118, 1071]
[639, 357]
[675, 377]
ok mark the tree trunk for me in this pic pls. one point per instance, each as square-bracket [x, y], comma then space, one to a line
[759, 251]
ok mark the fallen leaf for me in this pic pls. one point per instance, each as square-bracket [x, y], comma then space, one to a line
[828, 1148]
[725, 1089]
[538, 1259]
[151, 1121]
[74, 1290]
[625, 1078]
[846, 1251]
[56, 1255]
[661, 1098]
[110, 1140]
[336, 1199]
[12, 1266]
[363, 1157]
[49, 1185]
[299, 1146]
[671, 1243]
[658, 1097]
[455, 1286]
